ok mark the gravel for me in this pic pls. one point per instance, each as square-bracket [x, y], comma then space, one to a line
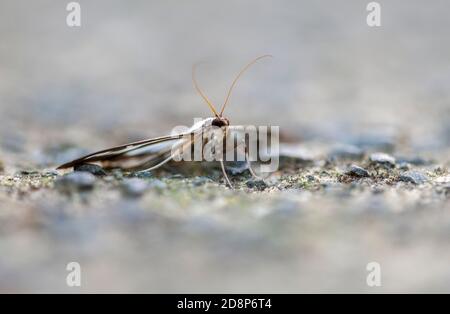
[257, 184]
[350, 152]
[134, 187]
[73, 181]
[94, 169]
[382, 159]
[357, 171]
[415, 177]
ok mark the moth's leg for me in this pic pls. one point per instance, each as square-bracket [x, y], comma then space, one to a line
[225, 174]
[249, 165]
[172, 155]
[157, 165]
[220, 159]
[247, 160]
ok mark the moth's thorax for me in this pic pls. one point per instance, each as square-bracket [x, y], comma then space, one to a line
[200, 124]
[214, 121]
[220, 122]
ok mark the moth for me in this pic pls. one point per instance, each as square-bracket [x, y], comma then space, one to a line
[150, 154]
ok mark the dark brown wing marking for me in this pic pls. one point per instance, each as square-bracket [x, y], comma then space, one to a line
[113, 153]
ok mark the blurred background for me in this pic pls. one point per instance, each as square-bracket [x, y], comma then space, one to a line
[125, 74]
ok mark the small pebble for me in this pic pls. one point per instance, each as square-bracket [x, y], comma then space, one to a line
[256, 184]
[27, 172]
[238, 167]
[416, 161]
[143, 174]
[117, 174]
[357, 171]
[311, 178]
[134, 187]
[346, 152]
[198, 181]
[94, 169]
[157, 185]
[404, 165]
[413, 177]
[376, 141]
[383, 159]
[78, 180]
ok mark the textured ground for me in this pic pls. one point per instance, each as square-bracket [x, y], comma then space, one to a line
[339, 90]
[312, 226]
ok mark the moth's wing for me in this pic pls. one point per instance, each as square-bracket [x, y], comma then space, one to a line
[160, 156]
[134, 153]
[143, 158]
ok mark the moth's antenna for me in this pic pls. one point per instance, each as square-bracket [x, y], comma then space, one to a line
[201, 93]
[236, 79]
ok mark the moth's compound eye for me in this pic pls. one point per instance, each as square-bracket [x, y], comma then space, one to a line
[220, 122]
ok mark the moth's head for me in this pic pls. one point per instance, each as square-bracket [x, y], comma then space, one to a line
[220, 122]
